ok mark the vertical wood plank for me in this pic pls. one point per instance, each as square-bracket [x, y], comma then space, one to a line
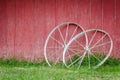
[20, 29]
[11, 24]
[60, 11]
[70, 10]
[96, 14]
[108, 18]
[49, 15]
[108, 15]
[3, 29]
[84, 11]
[116, 34]
[28, 29]
[39, 29]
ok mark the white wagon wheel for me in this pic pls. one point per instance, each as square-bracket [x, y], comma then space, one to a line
[95, 53]
[57, 40]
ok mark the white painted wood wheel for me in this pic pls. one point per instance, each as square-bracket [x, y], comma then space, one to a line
[95, 53]
[57, 40]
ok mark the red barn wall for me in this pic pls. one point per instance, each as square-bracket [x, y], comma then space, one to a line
[24, 24]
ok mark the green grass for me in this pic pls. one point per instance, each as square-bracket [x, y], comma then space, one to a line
[94, 61]
[22, 70]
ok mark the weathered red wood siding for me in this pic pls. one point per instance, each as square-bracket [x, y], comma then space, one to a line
[24, 24]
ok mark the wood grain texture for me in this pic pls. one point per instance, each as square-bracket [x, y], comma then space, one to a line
[24, 25]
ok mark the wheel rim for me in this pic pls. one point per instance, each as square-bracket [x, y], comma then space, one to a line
[58, 39]
[99, 41]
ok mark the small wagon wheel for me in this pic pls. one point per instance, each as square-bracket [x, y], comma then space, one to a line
[57, 40]
[95, 53]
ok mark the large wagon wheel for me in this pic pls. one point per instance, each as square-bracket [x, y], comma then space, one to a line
[95, 53]
[57, 40]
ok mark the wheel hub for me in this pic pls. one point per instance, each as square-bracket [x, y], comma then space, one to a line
[87, 49]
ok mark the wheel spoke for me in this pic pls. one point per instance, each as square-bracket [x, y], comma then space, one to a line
[92, 38]
[94, 51]
[66, 35]
[69, 56]
[57, 60]
[95, 57]
[54, 47]
[98, 41]
[72, 55]
[79, 43]
[50, 53]
[61, 35]
[100, 45]
[76, 50]
[54, 52]
[74, 32]
[75, 61]
[73, 46]
[56, 40]
[73, 52]
[80, 62]
[89, 60]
